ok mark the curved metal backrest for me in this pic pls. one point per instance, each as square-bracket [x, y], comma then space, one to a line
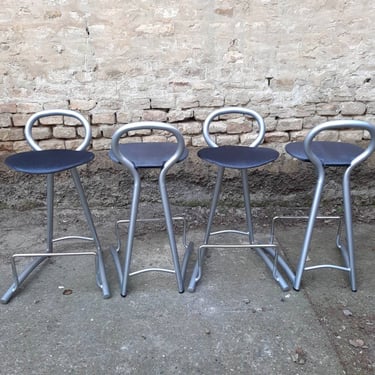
[337, 125]
[57, 112]
[229, 110]
[151, 125]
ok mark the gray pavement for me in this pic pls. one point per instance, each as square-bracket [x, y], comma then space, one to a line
[237, 322]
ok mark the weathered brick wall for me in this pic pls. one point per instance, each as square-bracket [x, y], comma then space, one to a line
[296, 63]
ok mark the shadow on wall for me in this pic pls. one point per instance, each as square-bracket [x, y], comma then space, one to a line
[281, 188]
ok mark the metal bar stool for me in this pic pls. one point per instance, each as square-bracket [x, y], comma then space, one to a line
[49, 162]
[241, 158]
[324, 154]
[155, 155]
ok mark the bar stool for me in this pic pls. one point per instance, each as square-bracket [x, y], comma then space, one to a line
[241, 158]
[325, 154]
[135, 156]
[48, 162]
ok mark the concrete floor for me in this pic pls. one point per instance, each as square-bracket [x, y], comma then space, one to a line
[238, 320]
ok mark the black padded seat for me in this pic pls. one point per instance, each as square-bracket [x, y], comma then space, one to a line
[48, 161]
[331, 154]
[148, 154]
[238, 157]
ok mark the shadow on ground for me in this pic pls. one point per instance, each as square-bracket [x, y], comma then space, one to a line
[238, 320]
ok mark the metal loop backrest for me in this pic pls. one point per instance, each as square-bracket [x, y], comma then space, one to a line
[144, 125]
[57, 112]
[229, 110]
[337, 125]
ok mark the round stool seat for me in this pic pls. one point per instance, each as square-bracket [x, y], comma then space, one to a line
[148, 154]
[47, 161]
[330, 153]
[238, 157]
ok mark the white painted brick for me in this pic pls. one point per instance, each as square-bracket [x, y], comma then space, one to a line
[29, 107]
[64, 132]
[163, 102]
[179, 115]
[277, 137]
[7, 146]
[140, 133]
[52, 120]
[21, 146]
[187, 102]
[106, 131]
[8, 108]
[189, 128]
[247, 139]
[353, 109]
[11, 134]
[329, 135]
[101, 144]
[198, 141]
[103, 118]
[328, 109]
[154, 115]
[155, 138]
[20, 119]
[227, 139]
[72, 144]
[5, 120]
[289, 125]
[123, 117]
[52, 144]
[82, 105]
[41, 132]
[298, 136]
[351, 135]
[207, 100]
[60, 104]
[218, 127]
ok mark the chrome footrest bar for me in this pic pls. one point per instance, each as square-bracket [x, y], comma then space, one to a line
[82, 238]
[343, 249]
[267, 251]
[152, 269]
[189, 247]
[19, 278]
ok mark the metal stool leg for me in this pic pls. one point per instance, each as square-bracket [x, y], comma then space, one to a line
[309, 229]
[348, 253]
[50, 210]
[101, 274]
[347, 249]
[268, 254]
[179, 270]
[145, 155]
[215, 199]
[19, 279]
[323, 154]
[131, 232]
[246, 196]
[172, 239]
[197, 271]
[39, 258]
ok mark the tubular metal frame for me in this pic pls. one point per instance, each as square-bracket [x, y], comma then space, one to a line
[188, 249]
[101, 278]
[347, 250]
[179, 270]
[267, 251]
